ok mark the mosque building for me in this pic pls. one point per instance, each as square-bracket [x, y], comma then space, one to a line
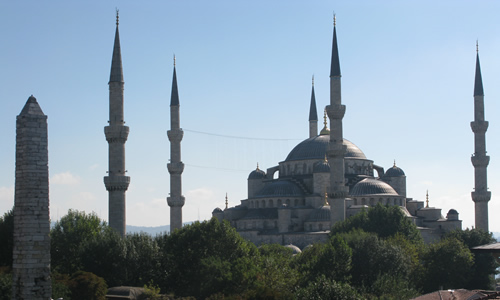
[323, 180]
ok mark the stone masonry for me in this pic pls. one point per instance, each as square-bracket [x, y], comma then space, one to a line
[479, 159]
[116, 134]
[175, 166]
[31, 265]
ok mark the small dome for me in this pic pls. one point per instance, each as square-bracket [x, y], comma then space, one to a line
[257, 174]
[453, 211]
[321, 214]
[452, 215]
[394, 172]
[217, 210]
[322, 167]
[295, 249]
[280, 188]
[371, 186]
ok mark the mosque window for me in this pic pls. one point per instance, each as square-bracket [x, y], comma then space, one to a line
[296, 202]
[257, 204]
[288, 202]
[263, 203]
[271, 203]
[279, 202]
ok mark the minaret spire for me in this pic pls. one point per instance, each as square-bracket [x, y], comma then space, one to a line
[175, 167]
[116, 134]
[313, 114]
[479, 159]
[336, 148]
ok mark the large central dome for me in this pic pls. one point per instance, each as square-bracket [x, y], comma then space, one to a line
[315, 148]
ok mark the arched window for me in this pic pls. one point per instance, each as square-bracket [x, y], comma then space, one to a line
[271, 203]
[263, 203]
[296, 202]
[257, 204]
[279, 202]
[288, 202]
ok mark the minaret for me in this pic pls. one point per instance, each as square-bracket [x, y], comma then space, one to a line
[175, 167]
[116, 134]
[336, 148]
[313, 114]
[31, 251]
[479, 159]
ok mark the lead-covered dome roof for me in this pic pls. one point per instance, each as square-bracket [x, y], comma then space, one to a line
[371, 186]
[280, 188]
[257, 174]
[394, 172]
[321, 214]
[315, 148]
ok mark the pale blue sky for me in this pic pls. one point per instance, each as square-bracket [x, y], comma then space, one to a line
[244, 69]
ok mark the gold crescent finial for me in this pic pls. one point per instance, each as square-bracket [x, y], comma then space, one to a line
[324, 118]
[226, 200]
[477, 46]
[427, 199]
[313, 80]
[257, 166]
[117, 16]
[174, 59]
[394, 163]
[334, 19]
[326, 198]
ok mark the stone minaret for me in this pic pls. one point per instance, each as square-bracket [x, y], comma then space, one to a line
[116, 134]
[336, 148]
[313, 114]
[31, 260]
[480, 160]
[175, 166]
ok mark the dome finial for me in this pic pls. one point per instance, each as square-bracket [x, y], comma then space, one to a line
[258, 166]
[334, 19]
[394, 163]
[326, 158]
[326, 198]
[325, 129]
[226, 200]
[117, 16]
[427, 199]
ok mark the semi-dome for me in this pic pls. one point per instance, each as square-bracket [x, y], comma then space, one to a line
[315, 148]
[257, 174]
[321, 214]
[371, 186]
[394, 172]
[280, 188]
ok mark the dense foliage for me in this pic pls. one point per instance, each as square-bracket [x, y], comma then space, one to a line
[377, 254]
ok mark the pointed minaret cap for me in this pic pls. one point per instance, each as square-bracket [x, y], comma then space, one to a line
[335, 68]
[174, 98]
[313, 113]
[116, 62]
[478, 82]
[31, 108]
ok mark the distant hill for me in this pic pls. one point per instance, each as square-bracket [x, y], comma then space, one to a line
[153, 231]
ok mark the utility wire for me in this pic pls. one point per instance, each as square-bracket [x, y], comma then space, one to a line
[239, 137]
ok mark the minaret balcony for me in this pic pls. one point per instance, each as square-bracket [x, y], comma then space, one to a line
[175, 167]
[175, 135]
[116, 183]
[338, 192]
[480, 161]
[481, 196]
[176, 201]
[116, 133]
[335, 111]
[479, 126]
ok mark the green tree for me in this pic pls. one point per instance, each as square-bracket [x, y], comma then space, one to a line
[332, 259]
[373, 258]
[7, 238]
[87, 286]
[447, 265]
[385, 221]
[143, 259]
[67, 237]
[485, 264]
[327, 289]
[204, 258]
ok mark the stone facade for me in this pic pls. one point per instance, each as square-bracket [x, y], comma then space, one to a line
[31, 264]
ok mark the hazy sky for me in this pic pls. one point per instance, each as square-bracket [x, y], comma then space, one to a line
[244, 72]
